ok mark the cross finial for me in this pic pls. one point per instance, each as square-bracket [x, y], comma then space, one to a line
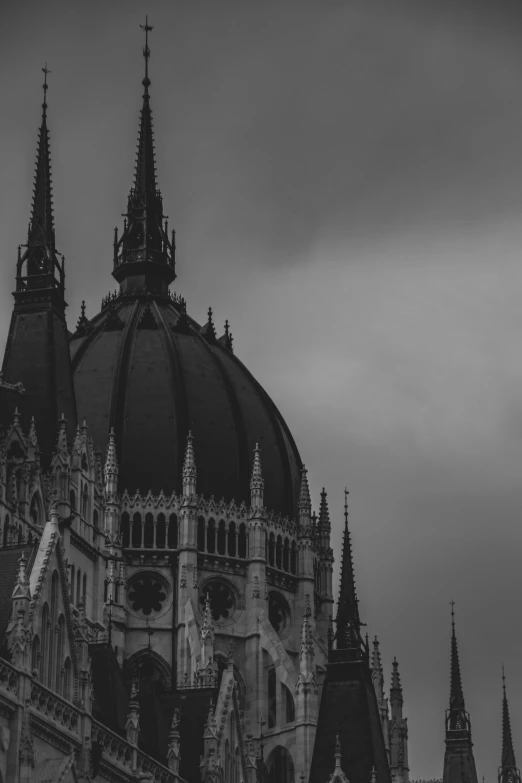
[146, 53]
[346, 493]
[503, 680]
[452, 604]
[45, 70]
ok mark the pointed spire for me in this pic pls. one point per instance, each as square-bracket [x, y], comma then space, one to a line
[396, 699]
[145, 232]
[348, 635]
[173, 749]
[324, 514]
[38, 266]
[377, 672]
[61, 444]
[457, 706]
[304, 503]
[257, 483]
[111, 460]
[189, 468]
[508, 771]
[338, 775]
[207, 629]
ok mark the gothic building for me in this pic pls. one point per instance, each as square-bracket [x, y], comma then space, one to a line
[166, 601]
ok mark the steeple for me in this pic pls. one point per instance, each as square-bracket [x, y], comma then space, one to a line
[39, 266]
[37, 351]
[143, 254]
[508, 771]
[189, 468]
[459, 762]
[348, 635]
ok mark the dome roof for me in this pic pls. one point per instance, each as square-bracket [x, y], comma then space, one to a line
[147, 369]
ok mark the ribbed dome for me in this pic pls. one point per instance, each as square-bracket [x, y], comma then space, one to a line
[146, 368]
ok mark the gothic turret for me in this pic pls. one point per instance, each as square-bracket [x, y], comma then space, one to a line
[459, 763]
[348, 701]
[143, 254]
[508, 771]
[398, 731]
[37, 351]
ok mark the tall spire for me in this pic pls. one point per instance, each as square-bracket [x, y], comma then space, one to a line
[508, 771]
[459, 762]
[144, 255]
[457, 708]
[38, 266]
[189, 468]
[257, 484]
[348, 635]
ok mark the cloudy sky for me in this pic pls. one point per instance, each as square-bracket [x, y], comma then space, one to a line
[345, 179]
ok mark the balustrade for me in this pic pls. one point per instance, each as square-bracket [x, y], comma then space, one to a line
[8, 678]
[53, 706]
[117, 750]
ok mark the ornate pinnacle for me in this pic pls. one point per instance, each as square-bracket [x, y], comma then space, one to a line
[257, 483]
[306, 652]
[396, 687]
[207, 630]
[32, 432]
[111, 460]
[189, 468]
[16, 418]
[324, 514]
[61, 445]
[22, 580]
[304, 504]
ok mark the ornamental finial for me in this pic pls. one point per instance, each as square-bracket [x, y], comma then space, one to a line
[146, 53]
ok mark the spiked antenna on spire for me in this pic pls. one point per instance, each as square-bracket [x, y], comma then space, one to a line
[348, 635]
[508, 771]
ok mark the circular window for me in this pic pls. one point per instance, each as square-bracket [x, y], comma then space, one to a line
[147, 594]
[278, 612]
[222, 601]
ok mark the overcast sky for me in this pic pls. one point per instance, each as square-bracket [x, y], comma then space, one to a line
[345, 179]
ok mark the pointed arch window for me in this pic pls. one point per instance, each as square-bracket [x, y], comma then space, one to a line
[221, 538]
[136, 531]
[35, 655]
[288, 701]
[272, 698]
[211, 537]
[46, 635]
[161, 532]
[72, 583]
[72, 500]
[286, 555]
[78, 586]
[279, 552]
[201, 534]
[173, 532]
[95, 519]
[85, 501]
[67, 679]
[242, 541]
[148, 534]
[6, 530]
[232, 539]
[125, 529]
[293, 558]
[60, 641]
[271, 549]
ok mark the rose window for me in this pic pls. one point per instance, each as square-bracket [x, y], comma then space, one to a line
[278, 612]
[147, 594]
[222, 601]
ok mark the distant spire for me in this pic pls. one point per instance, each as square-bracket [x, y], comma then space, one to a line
[377, 672]
[396, 687]
[457, 706]
[189, 468]
[508, 771]
[304, 503]
[39, 262]
[348, 635]
[111, 460]
[145, 233]
[257, 483]
[324, 514]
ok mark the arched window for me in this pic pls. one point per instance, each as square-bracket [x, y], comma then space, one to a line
[6, 530]
[237, 766]
[232, 539]
[242, 541]
[125, 529]
[280, 766]
[53, 637]
[95, 520]
[59, 653]
[35, 655]
[293, 558]
[72, 583]
[78, 586]
[279, 552]
[136, 531]
[286, 555]
[148, 536]
[20, 534]
[67, 672]
[222, 538]
[288, 700]
[201, 534]
[272, 698]
[227, 761]
[35, 510]
[161, 532]
[84, 589]
[173, 532]
[211, 536]
[85, 466]
[271, 549]
[72, 500]
[46, 635]
[85, 501]
[105, 590]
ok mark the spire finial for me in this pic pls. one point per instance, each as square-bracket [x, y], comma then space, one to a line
[45, 70]
[146, 53]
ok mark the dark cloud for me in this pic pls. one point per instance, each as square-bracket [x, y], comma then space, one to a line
[345, 180]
